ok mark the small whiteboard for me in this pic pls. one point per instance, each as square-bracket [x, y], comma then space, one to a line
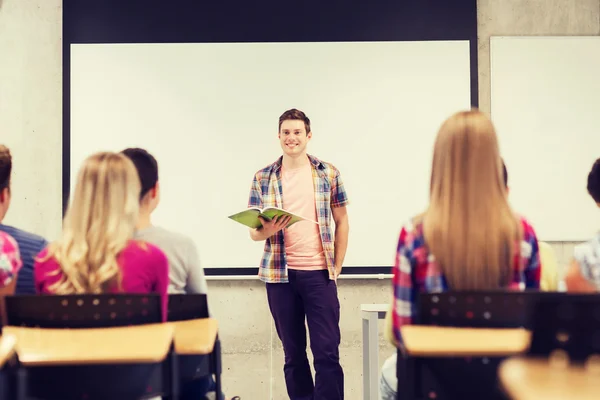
[545, 103]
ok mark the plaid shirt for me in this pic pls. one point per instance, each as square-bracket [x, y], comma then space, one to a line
[10, 259]
[416, 271]
[266, 192]
[587, 256]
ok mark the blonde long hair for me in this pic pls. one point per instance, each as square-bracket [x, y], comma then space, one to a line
[98, 225]
[469, 226]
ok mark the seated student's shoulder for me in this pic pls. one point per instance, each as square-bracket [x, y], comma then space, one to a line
[46, 270]
[411, 233]
[587, 254]
[144, 251]
[167, 239]
[527, 229]
[22, 236]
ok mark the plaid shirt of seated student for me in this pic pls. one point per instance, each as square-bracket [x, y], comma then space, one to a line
[266, 191]
[416, 271]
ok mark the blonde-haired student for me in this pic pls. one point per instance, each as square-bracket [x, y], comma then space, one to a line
[96, 252]
[468, 238]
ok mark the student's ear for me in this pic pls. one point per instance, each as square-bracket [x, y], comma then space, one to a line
[309, 135]
[4, 194]
[156, 190]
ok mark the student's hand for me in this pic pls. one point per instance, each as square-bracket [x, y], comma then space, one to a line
[269, 228]
[338, 271]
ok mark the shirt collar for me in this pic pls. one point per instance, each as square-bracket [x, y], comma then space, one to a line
[314, 161]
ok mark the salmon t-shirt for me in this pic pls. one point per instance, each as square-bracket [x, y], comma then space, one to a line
[303, 247]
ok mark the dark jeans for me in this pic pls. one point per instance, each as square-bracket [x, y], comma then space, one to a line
[309, 295]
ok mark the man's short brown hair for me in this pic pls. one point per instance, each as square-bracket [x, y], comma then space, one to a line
[5, 167]
[297, 115]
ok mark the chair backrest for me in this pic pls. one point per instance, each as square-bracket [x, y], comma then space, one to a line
[481, 309]
[467, 377]
[569, 323]
[187, 306]
[83, 311]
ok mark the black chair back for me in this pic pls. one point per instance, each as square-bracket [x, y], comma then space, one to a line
[483, 309]
[568, 323]
[90, 311]
[83, 310]
[187, 306]
[465, 377]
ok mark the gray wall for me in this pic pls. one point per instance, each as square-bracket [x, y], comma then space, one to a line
[30, 123]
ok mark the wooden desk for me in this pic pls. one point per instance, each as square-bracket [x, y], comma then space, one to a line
[452, 342]
[533, 379]
[196, 336]
[132, 344]
[7, 348]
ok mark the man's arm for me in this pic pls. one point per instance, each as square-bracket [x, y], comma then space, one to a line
[255, 200]
[258, 235]
[342, 228]
[339, 201]
[576, 281]
[268, 228]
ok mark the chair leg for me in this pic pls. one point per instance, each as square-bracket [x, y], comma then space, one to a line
[174, 376]
[217, 369]
[21, 383]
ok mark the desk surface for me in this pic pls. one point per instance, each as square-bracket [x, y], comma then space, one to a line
[531, 379]
[446, 341]
[132, 344]
[196, 336]
[7, 348]
[375, 307]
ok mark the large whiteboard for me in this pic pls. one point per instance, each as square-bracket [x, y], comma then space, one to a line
[546, 106]
[208, 112]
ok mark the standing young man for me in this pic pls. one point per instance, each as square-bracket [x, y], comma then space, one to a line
[300, 264]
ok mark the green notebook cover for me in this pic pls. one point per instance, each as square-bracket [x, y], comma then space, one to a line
[250, 216]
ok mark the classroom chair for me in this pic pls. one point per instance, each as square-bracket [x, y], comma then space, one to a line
[462, 363]
[8, 357]
[96, 346]
[567, 324]
[187, 309]
[563, 360]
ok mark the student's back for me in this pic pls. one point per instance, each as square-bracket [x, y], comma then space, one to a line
[186, 275]
[143, 267]
[96, 252]
[468, 238]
